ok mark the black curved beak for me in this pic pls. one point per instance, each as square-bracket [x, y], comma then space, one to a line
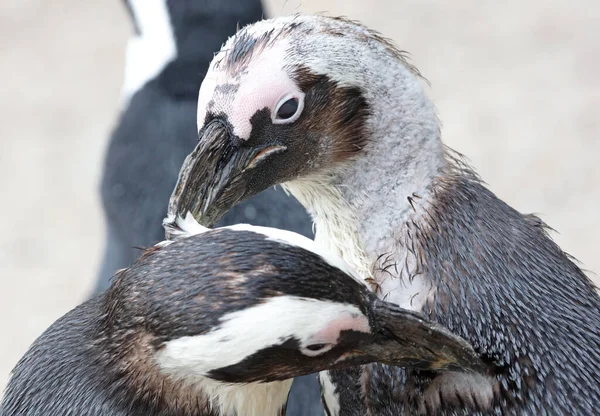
[218, 174]
[208, 174]
[405, 338]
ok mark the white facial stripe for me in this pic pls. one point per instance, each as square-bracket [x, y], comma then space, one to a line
[243, 333]
[149, 52]
[263, 85]
[205, 95]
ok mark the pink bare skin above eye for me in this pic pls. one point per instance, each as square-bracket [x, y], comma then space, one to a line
[331, 332]
[263, 86]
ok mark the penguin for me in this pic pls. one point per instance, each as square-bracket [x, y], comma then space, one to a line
[335, 112]
[218, 322]
[166, 60]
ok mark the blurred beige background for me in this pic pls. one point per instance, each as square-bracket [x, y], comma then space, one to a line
[517, 85]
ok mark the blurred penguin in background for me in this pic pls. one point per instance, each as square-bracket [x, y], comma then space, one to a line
[166, 60]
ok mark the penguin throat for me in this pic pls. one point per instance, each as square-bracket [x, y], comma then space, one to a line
[202, 395]
[364, 212]
[174, 392]
[336, 223]
[251, 399]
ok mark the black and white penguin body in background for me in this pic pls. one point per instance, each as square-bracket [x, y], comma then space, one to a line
[165, 64]
[333, 111]
[217, 324]
[166, 61]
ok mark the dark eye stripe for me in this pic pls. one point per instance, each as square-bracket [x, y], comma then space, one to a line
[287, 109]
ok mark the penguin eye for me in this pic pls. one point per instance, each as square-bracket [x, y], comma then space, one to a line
[313, 350]
[315, 347]
[288, 110]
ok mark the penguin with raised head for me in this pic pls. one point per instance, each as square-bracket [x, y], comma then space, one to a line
[334, 111]
[166, 59]
[218, 323]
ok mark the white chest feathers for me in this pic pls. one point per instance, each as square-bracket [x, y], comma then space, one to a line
[252, 399]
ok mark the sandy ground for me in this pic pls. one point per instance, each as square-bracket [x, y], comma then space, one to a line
[517, 85]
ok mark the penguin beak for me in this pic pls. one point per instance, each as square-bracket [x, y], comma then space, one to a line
[224, 170]
[398, 337]
[211, 179]
[405, 338]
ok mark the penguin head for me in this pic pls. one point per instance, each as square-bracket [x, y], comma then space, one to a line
[247, 304]
[297, 100]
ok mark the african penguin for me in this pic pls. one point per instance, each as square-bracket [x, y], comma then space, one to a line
[335, 113]
[218, 323]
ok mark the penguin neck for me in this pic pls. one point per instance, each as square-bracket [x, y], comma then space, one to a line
[361, 210]
[252, 399]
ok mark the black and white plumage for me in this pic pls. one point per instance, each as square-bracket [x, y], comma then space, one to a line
[218, 323]
[359, 144]
[166, 60]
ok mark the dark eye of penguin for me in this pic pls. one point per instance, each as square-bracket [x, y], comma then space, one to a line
[313, 350]
[315, 347]
[288, 110]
